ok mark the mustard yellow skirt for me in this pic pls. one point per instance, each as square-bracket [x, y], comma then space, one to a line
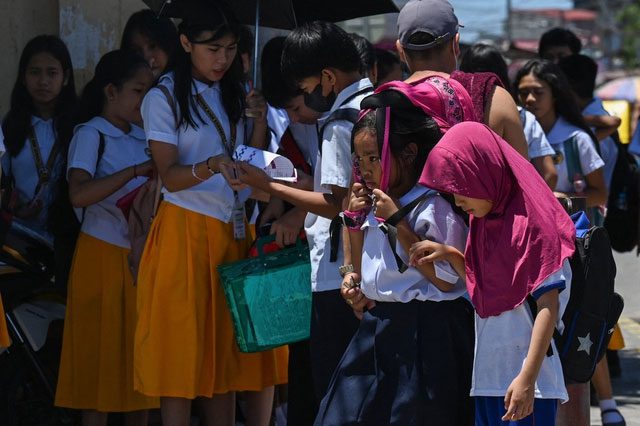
[4, 334]
[617, 340]
[96, 366]
[184, 343]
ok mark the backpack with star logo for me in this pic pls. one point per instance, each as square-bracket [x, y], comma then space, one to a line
[593, 308]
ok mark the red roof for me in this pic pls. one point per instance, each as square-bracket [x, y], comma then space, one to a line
[565, 14]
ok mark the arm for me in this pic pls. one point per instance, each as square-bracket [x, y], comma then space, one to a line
[605, 125]
[546, 169]
[429, 251]
[327, 205]
[501, 114]
[596, 192]
[85, 190]
[177, 177]
[520, 395]
[257, 108]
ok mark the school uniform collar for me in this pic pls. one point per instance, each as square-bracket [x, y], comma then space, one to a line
[355, 87]
[198, 87]
[35, 120]
[102, 125]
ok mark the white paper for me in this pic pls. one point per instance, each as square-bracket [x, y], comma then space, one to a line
[274, 165]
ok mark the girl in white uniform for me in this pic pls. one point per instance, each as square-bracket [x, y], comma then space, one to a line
[184, 344]
[520, 240]
[544, 91]
[38, 128]
[107, 160]
[410, 361]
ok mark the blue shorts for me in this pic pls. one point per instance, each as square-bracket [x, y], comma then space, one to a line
[490, 409]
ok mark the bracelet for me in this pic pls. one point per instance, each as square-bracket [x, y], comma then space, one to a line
[213, 172]
[353, 220]
[135, 174]
[193, 172]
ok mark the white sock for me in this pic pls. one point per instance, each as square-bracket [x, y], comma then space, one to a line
[611, 417]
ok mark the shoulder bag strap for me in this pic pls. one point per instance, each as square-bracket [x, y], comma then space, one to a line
[389, 226]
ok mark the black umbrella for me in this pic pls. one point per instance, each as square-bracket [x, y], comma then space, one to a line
[285, 14]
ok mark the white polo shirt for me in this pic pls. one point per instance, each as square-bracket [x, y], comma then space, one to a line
[538, 145]
[590, 161]
[25, 173]
[333, 167]
[213, 197]
[433, 219]
[104, 220]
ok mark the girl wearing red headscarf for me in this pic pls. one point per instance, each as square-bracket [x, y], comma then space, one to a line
[519, 243]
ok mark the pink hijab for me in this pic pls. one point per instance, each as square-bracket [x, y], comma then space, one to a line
[527, 235]
[443, 99]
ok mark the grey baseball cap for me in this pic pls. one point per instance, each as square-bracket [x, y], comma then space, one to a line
[434, 17]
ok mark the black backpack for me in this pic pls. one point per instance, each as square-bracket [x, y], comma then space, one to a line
[623, 207]
[593, 308]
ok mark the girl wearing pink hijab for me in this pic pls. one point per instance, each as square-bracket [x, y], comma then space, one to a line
[519, 243]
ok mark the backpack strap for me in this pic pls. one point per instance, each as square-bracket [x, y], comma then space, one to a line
[389, 225]
[572, 159]
[345, 114]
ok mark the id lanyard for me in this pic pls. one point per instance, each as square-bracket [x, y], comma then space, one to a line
[44, 170]
[238, 213]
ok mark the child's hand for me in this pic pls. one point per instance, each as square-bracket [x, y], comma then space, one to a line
[29, 210]
[427, 251]
[353, 296]
[256, 105]
[252, 176]
[385, 205]
[359, 198]
[519, 399]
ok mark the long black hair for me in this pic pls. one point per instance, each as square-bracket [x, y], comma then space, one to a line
[115, 67]
[158, 29]
[214, 17]
[17, 122]
[564, 102]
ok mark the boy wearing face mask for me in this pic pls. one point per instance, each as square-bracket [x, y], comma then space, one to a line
[323, 60]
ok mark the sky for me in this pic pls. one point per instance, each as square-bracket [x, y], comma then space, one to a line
[489, 15]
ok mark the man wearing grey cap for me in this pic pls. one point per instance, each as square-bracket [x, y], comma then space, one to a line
[428, 42]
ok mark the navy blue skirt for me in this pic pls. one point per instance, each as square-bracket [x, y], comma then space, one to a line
[408, 364]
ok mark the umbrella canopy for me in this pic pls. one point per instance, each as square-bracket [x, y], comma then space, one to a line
[287, 14]
[624, 88]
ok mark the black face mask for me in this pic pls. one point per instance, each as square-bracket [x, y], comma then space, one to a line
[317, 102]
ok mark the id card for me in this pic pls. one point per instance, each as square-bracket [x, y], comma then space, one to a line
[238, 217]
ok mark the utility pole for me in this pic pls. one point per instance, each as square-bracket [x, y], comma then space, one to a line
[509, 23]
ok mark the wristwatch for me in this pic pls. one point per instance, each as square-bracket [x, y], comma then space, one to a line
[345, 269]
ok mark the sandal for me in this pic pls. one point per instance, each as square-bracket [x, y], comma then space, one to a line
[612, 410]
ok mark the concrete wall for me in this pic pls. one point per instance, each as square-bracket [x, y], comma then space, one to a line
[89, 27]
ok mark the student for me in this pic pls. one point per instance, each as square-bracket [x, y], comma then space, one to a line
[106, 161]
[38, 128]
[153, 37]
[544, 91]
[484, 58]
[519, 245]
[184, 343]
[389, 67]
[428, 42]
[410, 361]
[558, 43]
[581, 72]
[323, 60]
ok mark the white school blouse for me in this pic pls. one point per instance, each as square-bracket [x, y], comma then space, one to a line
[590, 161]
[25, 173]
[608, 148]
[333, 167]
[104, 220]
[537, 143]
[502, 344]
[213, 197]
[432, 219]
